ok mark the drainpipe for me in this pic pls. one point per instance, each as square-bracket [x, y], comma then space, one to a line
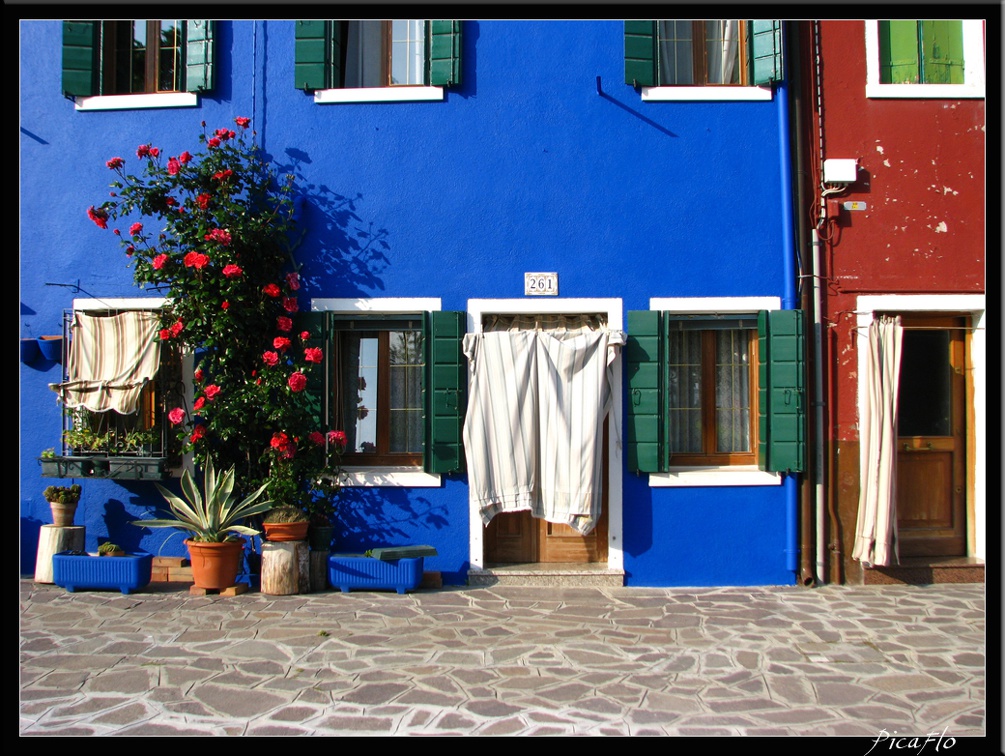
[788, 299]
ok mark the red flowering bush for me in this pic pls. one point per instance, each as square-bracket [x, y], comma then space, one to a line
[223, 259]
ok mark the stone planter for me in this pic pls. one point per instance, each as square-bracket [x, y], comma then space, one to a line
[127, 573]
[348, 571]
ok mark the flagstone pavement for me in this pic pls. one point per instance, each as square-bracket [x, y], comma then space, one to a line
[855, 661]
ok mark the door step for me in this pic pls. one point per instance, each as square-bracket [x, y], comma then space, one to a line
[548, 574]
[927, 571]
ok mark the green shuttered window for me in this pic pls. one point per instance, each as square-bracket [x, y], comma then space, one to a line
[338, 54]
[137, 57]
[396, 384]
[703, 53]
[715, 391]
[921, 52]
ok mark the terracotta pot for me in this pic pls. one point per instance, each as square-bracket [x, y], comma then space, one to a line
[285, 531]
[62, 514]
[214, 565]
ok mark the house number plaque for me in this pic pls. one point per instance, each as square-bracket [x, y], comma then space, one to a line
[540, 284]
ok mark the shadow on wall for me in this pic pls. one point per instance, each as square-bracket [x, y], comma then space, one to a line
[340, 254]
[374, 517]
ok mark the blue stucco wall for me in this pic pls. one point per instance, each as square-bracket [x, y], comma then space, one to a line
[524, 167]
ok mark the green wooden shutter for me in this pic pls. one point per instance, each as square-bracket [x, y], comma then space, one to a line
[312, 61]
[781, 391]
[199, 56]
[941, 52]
[80, 57]
[443, 53]
[898, 52]
[645, 360]
[317, 325]
[640, 53]
[445, 391]
[764, 46]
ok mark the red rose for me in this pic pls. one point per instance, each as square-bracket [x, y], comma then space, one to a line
[304, 335]
[214, 142]
[316, 438]
[159, 261]
[290, 304]
[279, 441]
[223, 175]
[202, 201]
[184, 158]
[198, 375]
[211, 391]
[115, 162]
[199, 403]
[154, 152]
[297, 382]
[232, 271]
[242, 121]
[198, 433]
[176, 328]
[270, 358]
[196, 260]
[338, 439]
[98, 215]
[284, 324]
[293, 281]
[271, 290]
[281, 343]
[173, 166]
[176, 415]
[143, 150]
[314, 354]
[218, 234]
[165, 334]
[225, 305]
[136, 229]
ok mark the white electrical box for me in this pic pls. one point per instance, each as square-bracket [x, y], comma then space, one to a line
[840, 171]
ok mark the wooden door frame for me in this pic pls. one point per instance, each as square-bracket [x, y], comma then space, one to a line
[612, 309]
[973, 305]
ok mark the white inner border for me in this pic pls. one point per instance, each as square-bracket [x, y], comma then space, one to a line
[736, 475]
[612, 308]
[137, 101]
[389, 477]
[973, 68]
[721, 93]
[866, 308]
[378, 94]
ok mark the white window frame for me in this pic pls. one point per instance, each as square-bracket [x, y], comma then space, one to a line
[137, 101]
[723, 475]
[365, 476]
[401, 93]
[707, 93]
[973, 69]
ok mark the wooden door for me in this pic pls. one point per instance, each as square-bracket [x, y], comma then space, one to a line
[519, 538]
[931, 443]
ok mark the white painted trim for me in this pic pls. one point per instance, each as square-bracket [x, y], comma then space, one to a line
[389, 477]
[613, 309]
[706, 94]
[137, 101]
[867, 306]
[746, 475]
[973, 69]
[715, 304]
[378, 94]
[377, 305]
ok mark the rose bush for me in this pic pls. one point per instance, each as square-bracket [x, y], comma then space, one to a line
[223, 257]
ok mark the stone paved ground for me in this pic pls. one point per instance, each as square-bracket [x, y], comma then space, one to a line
[836, 660]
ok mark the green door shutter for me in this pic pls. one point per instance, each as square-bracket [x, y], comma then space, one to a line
[318, 388]
[781, 391]
[445, 391]
[942, 52]
[640, 53]
[645, 361]
[199, 56]
[311, 58]
[444, 53]
[80, 59]
[764, 40]
[898, 52]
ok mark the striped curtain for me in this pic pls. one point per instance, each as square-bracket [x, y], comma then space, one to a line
[536, 407]
[876, 531]
[111, 359]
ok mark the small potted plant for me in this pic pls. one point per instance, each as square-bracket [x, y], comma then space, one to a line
[212, 518]
[110, 549]
[285, 523]
[63, 502]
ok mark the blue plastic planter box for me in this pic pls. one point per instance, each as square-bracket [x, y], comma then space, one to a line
[348, 571]
[123, 573]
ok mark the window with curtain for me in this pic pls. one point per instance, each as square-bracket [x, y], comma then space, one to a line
[701, 52]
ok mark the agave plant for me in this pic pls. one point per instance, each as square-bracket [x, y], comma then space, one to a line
[213, 515]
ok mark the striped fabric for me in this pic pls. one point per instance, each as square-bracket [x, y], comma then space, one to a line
[533, 432]
[111, 358]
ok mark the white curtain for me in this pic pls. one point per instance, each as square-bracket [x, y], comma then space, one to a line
[876, 531]
[533, 432]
